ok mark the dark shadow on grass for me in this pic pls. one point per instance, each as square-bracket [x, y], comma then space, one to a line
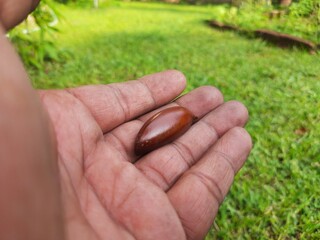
[275, 38]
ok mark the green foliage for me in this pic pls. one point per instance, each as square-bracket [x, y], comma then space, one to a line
[81, 3]
[71, 1]
[309, 13]
[276, 194]
[34, 51]
[34, 38]
[301, 20]
[62, 1]
[305, 8]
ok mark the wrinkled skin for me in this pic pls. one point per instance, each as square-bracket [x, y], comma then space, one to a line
[66, 157]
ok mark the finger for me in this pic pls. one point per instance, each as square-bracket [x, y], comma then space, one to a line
[199, 101]
[15, 11]
[165, 165]
[121, 139]
[114, 104]
[199, 192]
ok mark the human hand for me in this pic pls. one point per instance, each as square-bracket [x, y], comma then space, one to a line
[171, 193]
[13, 12]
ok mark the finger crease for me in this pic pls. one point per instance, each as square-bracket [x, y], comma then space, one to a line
[160, 175]
[189, 227]
[178, 149]
[205, 180]
[228, 160]
[154, 102]
[121, 99]
[211, 129]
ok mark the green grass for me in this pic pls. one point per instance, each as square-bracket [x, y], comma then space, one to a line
[276, 195]
[252, 17]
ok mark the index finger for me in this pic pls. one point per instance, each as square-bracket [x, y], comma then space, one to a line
[113, 104]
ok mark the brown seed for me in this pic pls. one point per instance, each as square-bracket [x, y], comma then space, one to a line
[163, 128]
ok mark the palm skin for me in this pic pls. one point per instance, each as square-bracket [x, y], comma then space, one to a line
[171, 193]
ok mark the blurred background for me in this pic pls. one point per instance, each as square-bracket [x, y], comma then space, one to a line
[67, 43]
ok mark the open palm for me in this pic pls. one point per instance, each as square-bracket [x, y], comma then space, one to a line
[173, 192]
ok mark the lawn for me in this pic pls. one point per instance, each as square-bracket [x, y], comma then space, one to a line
[276, 195]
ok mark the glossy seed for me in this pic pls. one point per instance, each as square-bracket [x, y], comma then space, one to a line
[163, 128]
